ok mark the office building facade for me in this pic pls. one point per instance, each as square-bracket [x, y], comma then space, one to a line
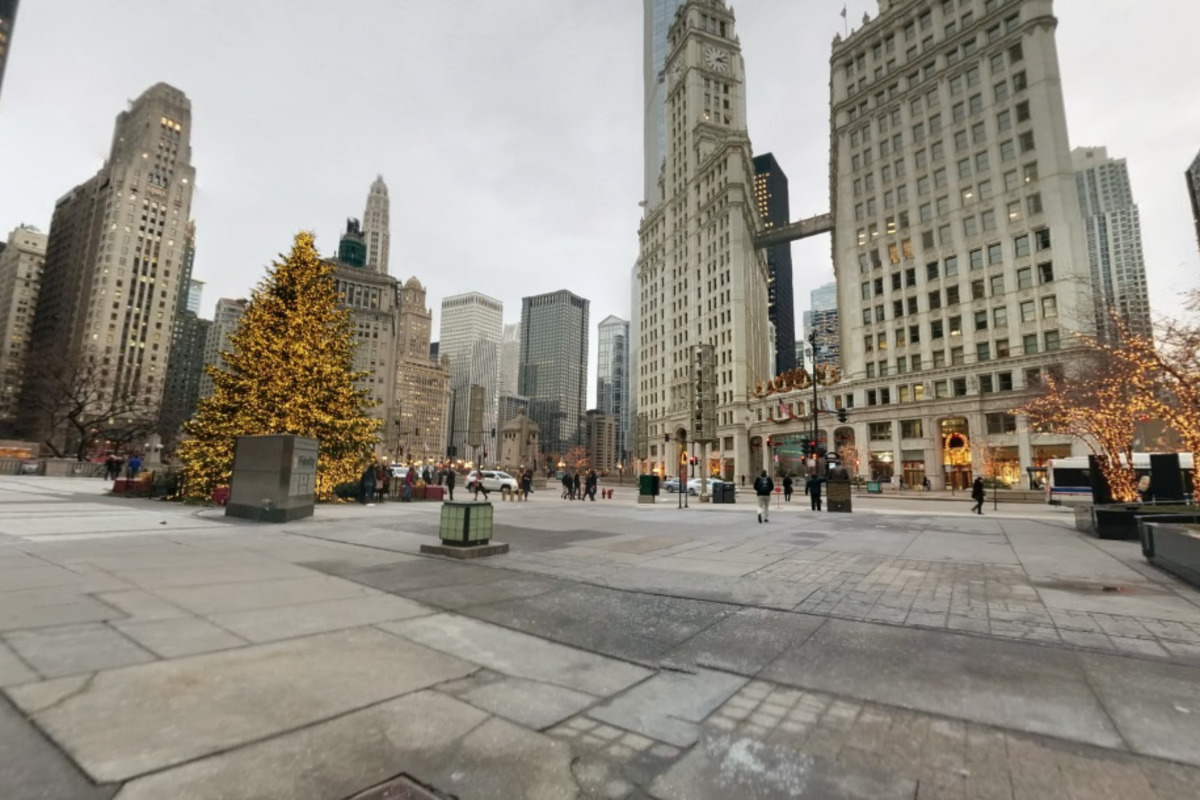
[377, 227]
[771, 199]
[1113, 227]
[554, 363]
[602, 453]
[422, 395]
[612, 378]
[657, 18]
[1192, 178]
[822, 318]
[114, 262]
[225, 321]
[700, 279]
[189, 338]
[8, 23]
[21, 262]
[510, 359]
[471, 327]
[960, 260]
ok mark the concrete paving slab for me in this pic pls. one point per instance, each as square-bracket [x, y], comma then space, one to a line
[668, 706]
[703, 566]
[173, 638]
[128, 722]
[1156, 706]
[223, 598]
[534, 704]
[31, 768]
[1142, 600]
[1015, 685]
[39, 608]
[438, 740]
[273, 624]
[423, 573]
[496, 591]
[745, 642]
[246, 570]
[635, 627]
[12, 669]
[519, 654]
[73, 649]
[140, 605]
[723, 766]
[970, 549]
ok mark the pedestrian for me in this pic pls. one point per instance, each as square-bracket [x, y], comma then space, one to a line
[526, 484]
[743, 481]
[977, 494]
[1143, 488]
[812, 488]
[450, 477]
[787, 488]
[575, 486]
[763, 486]
[409, 480]
[366, 485]
[592, 480]
[927, 484]
[110, 467]
[135, 466]
[477, 486]
[379, 482]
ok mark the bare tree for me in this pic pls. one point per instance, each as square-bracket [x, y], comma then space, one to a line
[77, 406]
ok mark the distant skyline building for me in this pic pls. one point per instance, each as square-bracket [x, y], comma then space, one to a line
[510, 406]
[510, 359]
[771, 199]
[1113, 227]
[225, 321]
[1192, 176]
[471, 327]
[8, 23]
[554, 365]
[422, 394]
[823, 316]
[613, 378]
[602, 452]
[657, 18]
[189, 337]
[377, 227]
[114, 258]
[20, 277]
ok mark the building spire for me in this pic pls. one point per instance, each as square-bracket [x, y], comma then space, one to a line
[376, 223]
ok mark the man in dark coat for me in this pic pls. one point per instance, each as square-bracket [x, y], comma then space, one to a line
[812, 488]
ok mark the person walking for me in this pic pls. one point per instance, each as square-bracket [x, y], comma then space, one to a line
[450, 478]
[526, 485]
[787, 488]
[135, 466]
[763, 486]
[978, 494]
[928, 484]
[743, 481]
[812, 488]
[590, 485]
[380, 482]
[566, 483]
[366, 485]
[409, 480]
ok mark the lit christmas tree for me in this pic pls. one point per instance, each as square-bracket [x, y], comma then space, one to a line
[291, 371]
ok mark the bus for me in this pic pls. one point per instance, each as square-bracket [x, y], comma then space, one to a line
[1069, 482]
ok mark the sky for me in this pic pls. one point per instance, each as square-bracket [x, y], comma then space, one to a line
[510, 133]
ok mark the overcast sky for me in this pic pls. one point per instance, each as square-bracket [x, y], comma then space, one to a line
[509, 133]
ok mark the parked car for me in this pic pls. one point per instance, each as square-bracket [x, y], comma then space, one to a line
[669, 485]
[493, 480]
[694, 485]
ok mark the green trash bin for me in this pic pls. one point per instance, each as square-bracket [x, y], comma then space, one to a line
[647, 488]
[874, 487]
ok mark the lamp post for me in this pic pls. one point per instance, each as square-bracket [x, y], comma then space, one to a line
[812, 346]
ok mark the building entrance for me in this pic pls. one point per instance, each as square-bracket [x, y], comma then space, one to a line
[956, 453]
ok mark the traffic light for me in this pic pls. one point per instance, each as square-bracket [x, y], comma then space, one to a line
[666, 437]
[804, 448]
[841, 415]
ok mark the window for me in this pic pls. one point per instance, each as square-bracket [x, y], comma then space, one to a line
[1033, 377]
[1001, 91]
[985, 190]
[927, 239]
[866, 291]
[1028, 311]
[1010, 180]
[1021, 245]
[914, 334]
[940, 389]
[1029, 343]
[871, 396]
[895, 281]
[1002, 350]
[1008, 150]
[936, 151]
[1026, 140]
[952, 295]
[1031, 172]
[982, 162]
[988, 220]
[960, 387]
[869, 344]
[959, 111]
[1049, 307]
[1052, 340]
[939, 361]
[881, 340]
[1025, 278]
[985, 383]
[1046, 271]
[871, 371]
[1033, 204]
[997, 285]
[1014, 211]
[1004, 120]
[923, 185]
[976, 259]
[935, 329]
[878, 286]
[997, 63]
[981, 320]
[1005, 381]
[939, 177]
[1000, 319]
[911, 429]
[951, 265]
[866, 316]
[956, 85]
[956, 326]
[901, 365]
[879, 316]
[880, 431]
[1001, 423]
[916, 367]
[1020, 84]
[900, 340]
[921, 159]
[935, 300]
[995, 255]
[931, 271]
[925, 212]
[978, 133]
[1043, 238]
[975, 104]
[977, 290]
[1023, 111]
[964, 169]
[971, 226]
[944, 236]
[912, 305]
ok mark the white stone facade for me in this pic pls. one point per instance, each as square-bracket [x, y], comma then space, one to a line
[21, 264]
[700, 280]
[377, 227]
[471, 328]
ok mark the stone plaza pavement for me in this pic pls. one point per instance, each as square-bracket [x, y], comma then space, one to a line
[155, 650]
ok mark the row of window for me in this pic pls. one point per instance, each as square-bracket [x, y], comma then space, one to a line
[1051, 341]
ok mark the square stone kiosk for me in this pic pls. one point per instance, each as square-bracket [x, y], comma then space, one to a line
[274, 478]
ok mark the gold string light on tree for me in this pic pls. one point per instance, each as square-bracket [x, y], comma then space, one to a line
[290, 371]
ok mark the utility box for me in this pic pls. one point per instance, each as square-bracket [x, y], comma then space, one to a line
[647, 488]
[838, 487]
[274, 478]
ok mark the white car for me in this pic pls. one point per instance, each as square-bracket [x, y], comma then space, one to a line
[669, 485]
[694, 485]
[493, 480]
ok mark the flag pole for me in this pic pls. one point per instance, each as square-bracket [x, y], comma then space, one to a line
[845, 20]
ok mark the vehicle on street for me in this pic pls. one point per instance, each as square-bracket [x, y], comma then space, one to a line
[493, 480]
[1069, 481]
[694, 485]
[669, 485]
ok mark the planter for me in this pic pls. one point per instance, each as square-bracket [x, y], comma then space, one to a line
[434, 492]
[420, 492]
[220, 495]
[1116, 521]
[1173, 548]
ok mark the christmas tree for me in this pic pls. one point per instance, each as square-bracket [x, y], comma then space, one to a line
[290, 371]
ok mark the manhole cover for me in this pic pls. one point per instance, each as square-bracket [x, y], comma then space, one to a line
[401, 788]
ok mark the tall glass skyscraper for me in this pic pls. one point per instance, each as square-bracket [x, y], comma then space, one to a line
[612, 379]
[8, 20]
[553, 373]
[659, 16]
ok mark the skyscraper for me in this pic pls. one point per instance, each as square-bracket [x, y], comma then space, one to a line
[8, 22]
[612, 379]
[1112, 224]
[771, 199]
[225, 321]
[376, 227]
[114, 262]
[822, 317]
[958, 248]
[658, 16]
[602, 452]
[189, 338]
[422, 396]
[20, 277]
[470, 332]
[701, 281]
[554, 357]
[1192, 176]
[510, 359]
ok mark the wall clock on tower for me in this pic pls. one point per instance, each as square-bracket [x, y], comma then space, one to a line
[716, 59]
[676, 72]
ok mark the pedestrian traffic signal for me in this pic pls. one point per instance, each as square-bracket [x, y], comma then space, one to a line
[804, 448]
[841, 415]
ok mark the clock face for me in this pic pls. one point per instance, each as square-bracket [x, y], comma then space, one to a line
[716, 58]
[676, 73]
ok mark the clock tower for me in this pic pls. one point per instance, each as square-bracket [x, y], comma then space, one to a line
[702, 286]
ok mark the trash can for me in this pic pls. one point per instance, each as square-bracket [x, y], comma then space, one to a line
[647, 488]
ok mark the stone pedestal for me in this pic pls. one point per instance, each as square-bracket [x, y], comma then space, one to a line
[274, 478]
[839, 496]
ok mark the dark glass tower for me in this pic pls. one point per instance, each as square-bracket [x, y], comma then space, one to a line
[8, 20]
[553, 371]
[771, 197]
